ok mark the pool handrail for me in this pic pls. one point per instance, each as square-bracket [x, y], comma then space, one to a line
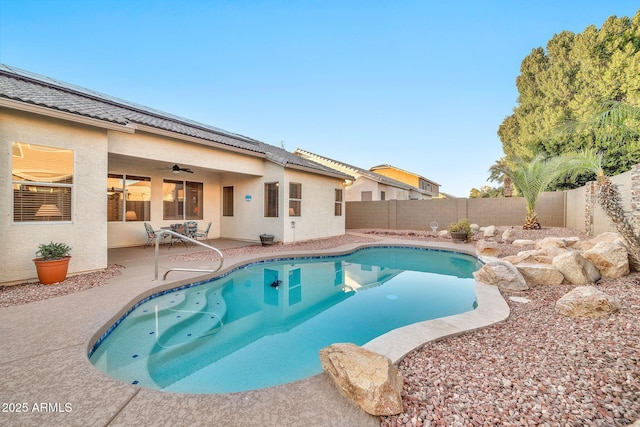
[159, 236]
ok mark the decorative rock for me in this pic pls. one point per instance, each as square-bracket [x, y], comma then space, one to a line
[487, 248]
[587, 301]
[540, 274]
[502, 274]
[558, 242]
[489, 231]
[608, 236]
[576, 269]
[474, 228]
[552, 251]
[443, 233]
[523, 242]
[506, 235]
[367, 378]
[611, 259]
[531, 256]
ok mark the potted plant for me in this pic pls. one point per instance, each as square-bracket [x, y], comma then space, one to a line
[52, 262]
[460, 231]
[266, 239]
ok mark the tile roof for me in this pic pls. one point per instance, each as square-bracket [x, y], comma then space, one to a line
[388, 166]
[363, 172]
[31, 88]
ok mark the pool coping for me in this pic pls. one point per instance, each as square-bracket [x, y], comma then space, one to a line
[67, 335]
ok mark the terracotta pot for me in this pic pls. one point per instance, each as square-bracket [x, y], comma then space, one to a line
[52, 271]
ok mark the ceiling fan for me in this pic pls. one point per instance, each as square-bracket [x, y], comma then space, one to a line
[178, 169]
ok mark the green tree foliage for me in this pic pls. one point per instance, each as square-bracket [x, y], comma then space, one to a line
[485, 192]
[569, 82]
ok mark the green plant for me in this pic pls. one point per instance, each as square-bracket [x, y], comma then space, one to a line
[52, 251]
[461, 226]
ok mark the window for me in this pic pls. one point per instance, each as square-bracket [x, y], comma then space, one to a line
[227, 201]
[382, 195]
[42, 181]
[271, 199]
[128, 198]
[424, 185]
[295, 199]
[337, 210]
[366, 196]
[181, 200]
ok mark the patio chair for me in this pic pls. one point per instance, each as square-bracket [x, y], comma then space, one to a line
[192, 228]
[151, 235]
[203, 234]
[181, 229]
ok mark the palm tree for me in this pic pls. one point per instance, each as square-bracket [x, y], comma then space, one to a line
[531, 178]
[498, 176]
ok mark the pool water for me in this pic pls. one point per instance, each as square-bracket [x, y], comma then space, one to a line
[263, 324]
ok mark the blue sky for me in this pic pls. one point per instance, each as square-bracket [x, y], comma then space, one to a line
[409, 83]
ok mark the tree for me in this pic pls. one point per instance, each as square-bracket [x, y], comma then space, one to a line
[531, 178]
[486, 192]
[568, 81]
[497, 176]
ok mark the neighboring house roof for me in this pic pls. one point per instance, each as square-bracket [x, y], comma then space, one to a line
[446, 195]
[360, 171]
[387, 166]
[24, 87]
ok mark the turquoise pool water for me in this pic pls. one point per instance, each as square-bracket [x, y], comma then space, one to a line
[263, 324]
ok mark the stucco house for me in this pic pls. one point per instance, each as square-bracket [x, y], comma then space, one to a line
[89, 170]
[431, 187]
[368, 185]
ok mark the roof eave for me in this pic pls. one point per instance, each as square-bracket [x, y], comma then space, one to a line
[336, 174]
[59, 114]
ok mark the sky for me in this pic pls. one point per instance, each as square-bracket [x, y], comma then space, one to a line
[421, 85]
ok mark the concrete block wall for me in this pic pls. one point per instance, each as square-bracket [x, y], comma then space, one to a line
[419, 214]
[578, 209]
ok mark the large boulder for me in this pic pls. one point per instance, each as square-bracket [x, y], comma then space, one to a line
[540, 274]
[558, 242]
[502, 274]
[551, 251]
[587, 301]
[608, 236]
[610, 258]
[367, 378]
[485, 248]
[576, 269]
[523, 242]
[532, 256]
[489, 231]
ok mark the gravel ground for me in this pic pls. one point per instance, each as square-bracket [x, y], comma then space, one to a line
[535, 369]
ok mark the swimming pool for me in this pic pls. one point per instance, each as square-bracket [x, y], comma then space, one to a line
[263, 324]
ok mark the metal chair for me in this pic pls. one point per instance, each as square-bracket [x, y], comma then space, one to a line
[180, 229]
[151, 235]
[203, 234]
[192, 228]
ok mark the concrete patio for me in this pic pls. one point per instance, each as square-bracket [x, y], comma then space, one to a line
[48, 379]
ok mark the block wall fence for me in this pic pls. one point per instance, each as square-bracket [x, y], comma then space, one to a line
[577, 209]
